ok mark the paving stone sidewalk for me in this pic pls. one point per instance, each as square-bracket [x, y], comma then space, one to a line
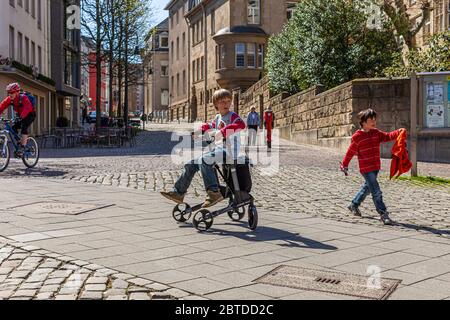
[30, 273]
[130, 232]
[137, 236]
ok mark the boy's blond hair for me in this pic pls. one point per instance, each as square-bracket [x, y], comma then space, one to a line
[219, 95]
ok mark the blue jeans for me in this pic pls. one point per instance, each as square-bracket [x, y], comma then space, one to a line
[371, 186]
[205, 165]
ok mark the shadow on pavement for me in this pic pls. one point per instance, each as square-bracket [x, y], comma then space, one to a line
[291, 240]
[37, 172]
[147, 143]
[423, 228]
[416, 227]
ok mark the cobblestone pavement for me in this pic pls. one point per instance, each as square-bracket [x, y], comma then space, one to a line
[308, 181]
[28, 272]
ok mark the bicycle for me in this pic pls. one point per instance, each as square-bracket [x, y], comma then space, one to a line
[30, 155]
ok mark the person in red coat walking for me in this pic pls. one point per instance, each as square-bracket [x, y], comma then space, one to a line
[269, 122]
[366, 145]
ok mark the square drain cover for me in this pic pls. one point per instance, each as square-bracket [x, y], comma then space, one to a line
[376, 288]
[60, 208]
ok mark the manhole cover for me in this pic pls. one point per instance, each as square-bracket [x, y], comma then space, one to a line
[60, 207]
[376, 288]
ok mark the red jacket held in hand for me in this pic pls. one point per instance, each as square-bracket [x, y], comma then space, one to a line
[400, 161]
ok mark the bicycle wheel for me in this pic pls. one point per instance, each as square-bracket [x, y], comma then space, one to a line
[4, 153]
[31, 154]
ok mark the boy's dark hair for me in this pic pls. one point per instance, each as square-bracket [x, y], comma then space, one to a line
[221, 94]
[363, 116]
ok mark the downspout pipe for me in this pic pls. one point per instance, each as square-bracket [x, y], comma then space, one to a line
[205, 61]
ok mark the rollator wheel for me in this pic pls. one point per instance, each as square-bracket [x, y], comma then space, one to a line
[203, 220]
[182, 212]
[252, 217]
[237, 215]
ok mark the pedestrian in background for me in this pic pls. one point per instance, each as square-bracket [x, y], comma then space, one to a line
[269, 123]
[84, 115]
[253, 123]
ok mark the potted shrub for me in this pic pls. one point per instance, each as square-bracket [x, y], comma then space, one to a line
[62, 122]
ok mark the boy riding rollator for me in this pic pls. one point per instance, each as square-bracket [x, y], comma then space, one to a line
[366, 145]
[225, 124]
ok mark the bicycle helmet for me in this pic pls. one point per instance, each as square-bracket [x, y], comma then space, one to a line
[13, 87]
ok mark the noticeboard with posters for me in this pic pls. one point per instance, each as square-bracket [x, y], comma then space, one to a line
[437, 104]
[448, 101]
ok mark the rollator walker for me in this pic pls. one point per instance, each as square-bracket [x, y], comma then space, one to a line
[235, 174]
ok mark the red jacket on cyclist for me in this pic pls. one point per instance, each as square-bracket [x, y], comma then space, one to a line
[23, 109]
[22, 106]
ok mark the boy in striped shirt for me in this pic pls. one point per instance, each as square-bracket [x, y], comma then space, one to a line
[366, 145]
[226, 124]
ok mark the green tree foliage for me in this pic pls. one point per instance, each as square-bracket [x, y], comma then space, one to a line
[327, 42]
[280, 64]
[435, 57]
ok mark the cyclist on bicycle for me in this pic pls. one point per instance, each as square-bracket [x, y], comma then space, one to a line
[23, 107]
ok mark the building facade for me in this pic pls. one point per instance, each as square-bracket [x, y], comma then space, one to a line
[156, 70]
[86, 47]
[226, 42]
[439, 20]
[222, 44]
[92, 57]
[179, 51]
[25, 54]
[65, 62]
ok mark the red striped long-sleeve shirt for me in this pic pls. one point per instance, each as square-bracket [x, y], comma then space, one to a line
[366, 145]
[228, 124]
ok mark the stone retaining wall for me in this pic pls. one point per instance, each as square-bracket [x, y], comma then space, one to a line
[329, 118]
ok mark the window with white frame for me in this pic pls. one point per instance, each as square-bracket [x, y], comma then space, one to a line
[40, 59]
[427, 29]
[251, 57]
[198, 70]
[33, 53]
[217, 57]
[240, 55]
[163, 41]
[222, 52]
[12, 43]
[20, 47]
[164, 68]
[164, 97]
[202, 68]
[254, 12]
[448, 16]
[184, 44]
[290, 8]
[213, 22]
[438, 16]
[184, 81]
[260, 56]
